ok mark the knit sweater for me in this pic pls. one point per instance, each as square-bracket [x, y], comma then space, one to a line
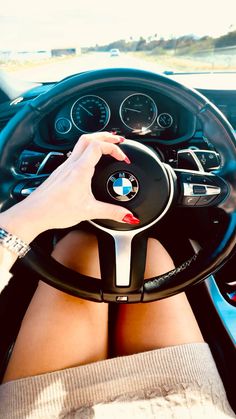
[175, 382]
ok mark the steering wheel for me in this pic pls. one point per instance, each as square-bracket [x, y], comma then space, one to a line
[148, 187]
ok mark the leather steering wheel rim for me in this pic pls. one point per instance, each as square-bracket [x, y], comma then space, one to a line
[20, 131]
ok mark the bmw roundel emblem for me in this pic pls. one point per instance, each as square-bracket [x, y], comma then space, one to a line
[122, 186]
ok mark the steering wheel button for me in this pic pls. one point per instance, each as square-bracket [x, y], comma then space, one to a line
[205, 200]
[197, 179]
[30, 161]
[199, 190]
[209, 159]
[190, 201]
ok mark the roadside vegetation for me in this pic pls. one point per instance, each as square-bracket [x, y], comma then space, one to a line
[185, 53]
[15, 65]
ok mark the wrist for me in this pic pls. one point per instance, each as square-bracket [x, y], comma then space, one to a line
[7, 258]
[18, 220]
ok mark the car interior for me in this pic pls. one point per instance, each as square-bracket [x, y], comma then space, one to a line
[181, 139]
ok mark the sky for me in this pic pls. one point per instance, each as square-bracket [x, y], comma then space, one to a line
[45, 24]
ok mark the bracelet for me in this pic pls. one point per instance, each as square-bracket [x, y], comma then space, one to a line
[13, 243]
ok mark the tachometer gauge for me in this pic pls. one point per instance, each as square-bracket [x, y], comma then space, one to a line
[165, 120]
[138, 111]
[90, 113]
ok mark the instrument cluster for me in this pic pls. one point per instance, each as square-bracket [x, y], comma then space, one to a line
[141, 115]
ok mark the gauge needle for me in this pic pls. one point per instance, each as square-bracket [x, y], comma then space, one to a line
[86, 110]
[134, 110]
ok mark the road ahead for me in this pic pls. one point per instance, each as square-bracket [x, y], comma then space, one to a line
[63, 68]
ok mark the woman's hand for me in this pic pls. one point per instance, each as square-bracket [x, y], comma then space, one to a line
[65, 198]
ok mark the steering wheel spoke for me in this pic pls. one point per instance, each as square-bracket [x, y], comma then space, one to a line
[122, 262]
[200, 189]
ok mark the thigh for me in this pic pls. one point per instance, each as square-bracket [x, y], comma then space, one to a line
[142, 327]
[58, 330]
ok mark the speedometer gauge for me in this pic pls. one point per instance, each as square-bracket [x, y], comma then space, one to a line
[138, 111]
[90, 113]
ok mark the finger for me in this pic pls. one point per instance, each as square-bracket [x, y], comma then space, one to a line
[106, 136]
[103, 210]
[96, 149]
[86, 139]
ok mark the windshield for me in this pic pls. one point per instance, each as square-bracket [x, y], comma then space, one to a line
[49, 40]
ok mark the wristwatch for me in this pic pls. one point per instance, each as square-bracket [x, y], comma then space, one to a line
[13, 243]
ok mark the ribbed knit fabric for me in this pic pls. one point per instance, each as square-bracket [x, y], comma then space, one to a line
[175, 382]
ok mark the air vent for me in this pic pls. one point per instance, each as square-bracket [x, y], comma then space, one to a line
[3, 123]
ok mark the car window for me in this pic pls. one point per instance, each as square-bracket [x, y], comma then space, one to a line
[47, 41]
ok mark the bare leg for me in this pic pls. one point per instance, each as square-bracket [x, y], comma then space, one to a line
[142, 327]
[59, 330]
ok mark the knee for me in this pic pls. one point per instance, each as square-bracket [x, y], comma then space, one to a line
[75, 238]
[158, 260]
[78, 250]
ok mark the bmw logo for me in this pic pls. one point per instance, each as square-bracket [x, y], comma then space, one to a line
[122, 186]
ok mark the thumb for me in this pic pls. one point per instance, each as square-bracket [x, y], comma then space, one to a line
[115, 212]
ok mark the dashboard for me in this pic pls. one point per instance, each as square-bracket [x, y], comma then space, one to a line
[146, 116]
[137, 114]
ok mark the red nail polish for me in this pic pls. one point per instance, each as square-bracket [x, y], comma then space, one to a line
[122, 139]
[130, 219]
[127, 160]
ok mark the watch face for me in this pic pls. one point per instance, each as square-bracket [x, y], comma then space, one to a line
[122, 186]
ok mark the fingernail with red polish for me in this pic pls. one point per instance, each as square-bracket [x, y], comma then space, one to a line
[127, 160]
[122, 139]
[130, 219]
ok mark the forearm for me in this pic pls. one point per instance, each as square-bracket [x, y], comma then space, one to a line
[46, 208]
